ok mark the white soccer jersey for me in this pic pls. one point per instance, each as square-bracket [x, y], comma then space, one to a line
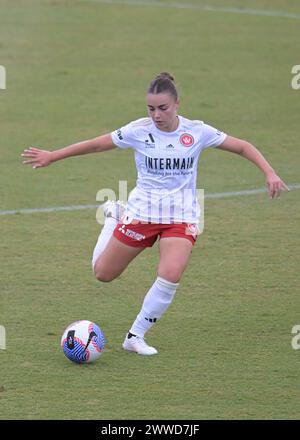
[166, 164]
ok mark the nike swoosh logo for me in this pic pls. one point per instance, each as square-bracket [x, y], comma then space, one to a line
[91, 335]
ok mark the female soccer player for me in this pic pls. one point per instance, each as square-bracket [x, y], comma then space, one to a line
[163, 204]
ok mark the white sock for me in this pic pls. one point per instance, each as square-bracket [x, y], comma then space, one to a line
[156, 302]
[104, 237]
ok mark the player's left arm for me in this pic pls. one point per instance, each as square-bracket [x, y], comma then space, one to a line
[239, 146]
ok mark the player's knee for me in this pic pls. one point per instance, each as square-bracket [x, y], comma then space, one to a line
[103, 275]
[172, 274]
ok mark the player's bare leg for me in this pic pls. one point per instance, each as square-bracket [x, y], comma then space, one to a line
[110, 256]
[175, 253]
[174, 256]
[114, 259]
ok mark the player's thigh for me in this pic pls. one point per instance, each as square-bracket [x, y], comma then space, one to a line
[114, 259]
[174, 256]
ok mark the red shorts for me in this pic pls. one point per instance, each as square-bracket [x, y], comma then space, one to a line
[138, 234]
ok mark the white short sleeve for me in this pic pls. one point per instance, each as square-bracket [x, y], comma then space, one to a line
[124, 137]
[212, 137]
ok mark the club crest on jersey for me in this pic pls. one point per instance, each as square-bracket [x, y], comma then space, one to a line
[186, 140]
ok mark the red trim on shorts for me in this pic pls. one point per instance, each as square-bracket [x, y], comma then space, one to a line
[145, 234]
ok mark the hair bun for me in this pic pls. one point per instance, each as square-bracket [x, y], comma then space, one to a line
[163, 83]
[165, 75]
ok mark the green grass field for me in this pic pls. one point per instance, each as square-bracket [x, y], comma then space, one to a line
[79, 68]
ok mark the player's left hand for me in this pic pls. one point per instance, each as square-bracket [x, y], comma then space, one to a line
[275, 185]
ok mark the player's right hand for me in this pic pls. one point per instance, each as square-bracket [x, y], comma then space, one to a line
[37, 158]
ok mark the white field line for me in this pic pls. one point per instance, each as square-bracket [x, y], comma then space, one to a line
[177, 5]
[222, 195]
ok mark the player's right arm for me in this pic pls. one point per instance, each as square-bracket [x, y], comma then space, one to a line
[38, 158]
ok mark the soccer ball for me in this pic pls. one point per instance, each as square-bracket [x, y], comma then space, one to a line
[82, 342]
